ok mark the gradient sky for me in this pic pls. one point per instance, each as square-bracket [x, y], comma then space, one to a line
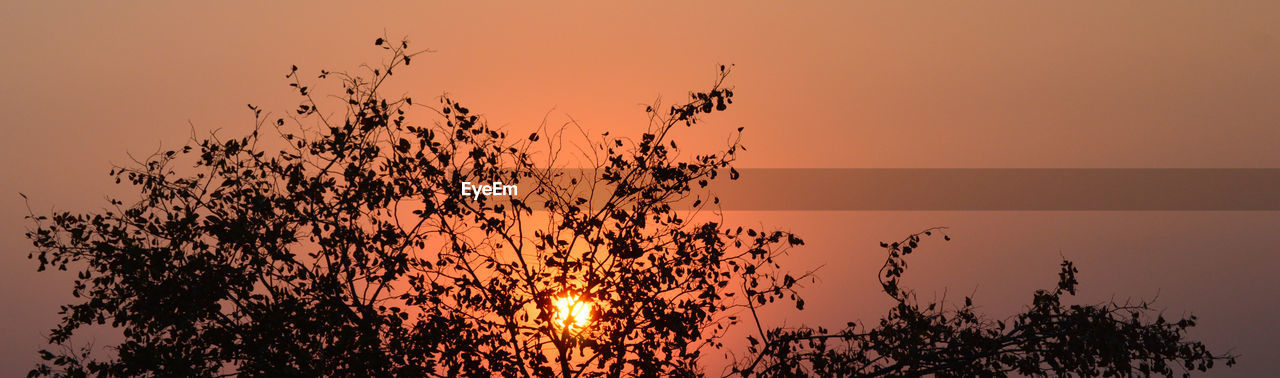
[928, 84]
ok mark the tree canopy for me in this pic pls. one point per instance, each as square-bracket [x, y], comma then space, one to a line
[334, 242]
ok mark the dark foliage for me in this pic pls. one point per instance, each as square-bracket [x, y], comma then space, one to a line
[339, 246]
[349, 252]
[1047, 339]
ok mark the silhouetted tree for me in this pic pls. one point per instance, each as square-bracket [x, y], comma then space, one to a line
[339, 245]
[1048, 338]
[351, 252]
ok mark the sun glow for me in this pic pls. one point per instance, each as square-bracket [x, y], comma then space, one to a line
[571, 313]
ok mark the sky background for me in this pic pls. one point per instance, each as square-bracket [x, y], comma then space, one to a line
[996, 84]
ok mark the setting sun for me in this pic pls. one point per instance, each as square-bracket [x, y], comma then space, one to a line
[571, 313]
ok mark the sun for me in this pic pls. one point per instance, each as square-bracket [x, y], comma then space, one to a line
[571, 313]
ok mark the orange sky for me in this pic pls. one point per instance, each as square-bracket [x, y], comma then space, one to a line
[945, 84]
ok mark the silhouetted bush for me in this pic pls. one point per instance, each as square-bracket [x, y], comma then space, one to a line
[323, 245]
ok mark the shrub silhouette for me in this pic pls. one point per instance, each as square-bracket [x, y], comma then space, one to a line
[344, 249]
[1047, 339]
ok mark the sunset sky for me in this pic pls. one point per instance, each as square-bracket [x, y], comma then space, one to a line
[993, 84]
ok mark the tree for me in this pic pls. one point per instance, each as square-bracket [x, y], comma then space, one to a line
[321, 245]
[350, 252]
[1048, 338]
